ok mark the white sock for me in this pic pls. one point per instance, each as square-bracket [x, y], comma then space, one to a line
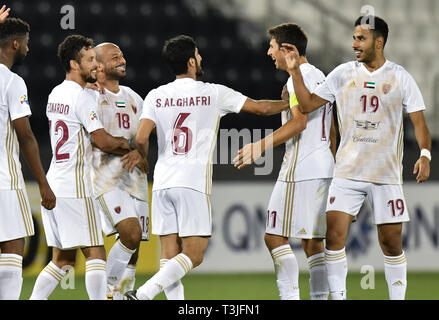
[176, 290]
[10, 276]
[174, 270]
[395, 270]
[96, 279]
[128, 278]
[337, 268]
[117, 261]
[287, 272]
[47, 281]
[318, 277]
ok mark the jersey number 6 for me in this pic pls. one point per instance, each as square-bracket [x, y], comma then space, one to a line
[182, 136]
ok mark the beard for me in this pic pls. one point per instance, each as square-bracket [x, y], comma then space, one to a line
[87, 77]
[113, 74]
[199, 72]
[19, 58]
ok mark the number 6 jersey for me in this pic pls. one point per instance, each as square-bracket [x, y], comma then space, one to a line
[71, 111]
[187, 115]
[370, 116]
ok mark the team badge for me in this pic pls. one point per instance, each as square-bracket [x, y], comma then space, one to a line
[23, 99]
[93, 115]
[134, 109]
[331, 200]
[117, 209]
[386, 88]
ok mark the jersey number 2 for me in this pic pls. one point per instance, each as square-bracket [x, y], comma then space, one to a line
[182, 136]
[65, 136]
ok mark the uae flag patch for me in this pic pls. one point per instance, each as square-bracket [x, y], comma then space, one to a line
[369, 85]
[120, 104]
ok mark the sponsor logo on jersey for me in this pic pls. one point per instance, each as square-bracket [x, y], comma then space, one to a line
[369, 85]
[93, 115]
[23, 99]
[366, 124]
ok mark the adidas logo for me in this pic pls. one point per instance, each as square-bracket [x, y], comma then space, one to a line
[302, 231]
[398, 283]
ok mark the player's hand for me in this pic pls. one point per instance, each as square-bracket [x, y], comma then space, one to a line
[291, 56]
[133, 159]
[422, 168]
[248, 155]
[48, 199]
[95, 86]
[4, 13]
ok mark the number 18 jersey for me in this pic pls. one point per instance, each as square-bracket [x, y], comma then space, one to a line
[187, 115]
[71, 111]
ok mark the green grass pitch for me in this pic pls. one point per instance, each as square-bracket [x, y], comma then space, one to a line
[261, 286]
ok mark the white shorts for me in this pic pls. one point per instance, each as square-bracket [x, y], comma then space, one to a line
[181, 210]
[117, 205]
[73, 223]
[297, 209]
[15, 215]
[386, 200]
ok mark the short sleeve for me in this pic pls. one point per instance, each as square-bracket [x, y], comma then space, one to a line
[87, 111]
[412, 99]
[17, 100]
[148, 107]
[326, 90]
[229, 100]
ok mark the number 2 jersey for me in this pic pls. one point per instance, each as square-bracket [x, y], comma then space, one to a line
[71, 111]
[119, 113]
[370, 116]
[307, 155]
[13, 105]
[187, 115]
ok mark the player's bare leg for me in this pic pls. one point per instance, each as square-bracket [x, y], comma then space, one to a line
[171, 246]
[285, 266]
[395, 262]
[338, 224]
[11, 259]
[50, 276]
[318, 277]
[95, 272]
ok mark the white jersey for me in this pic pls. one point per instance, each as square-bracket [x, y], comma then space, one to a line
[14, 104]
[187, 115]
[71, 111]
[370, 116]
[119, 113]
[307, 155]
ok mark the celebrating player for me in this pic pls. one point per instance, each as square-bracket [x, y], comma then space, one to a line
[16, 133]
[123, 195]
[186, 113]
[74, 125]
[297, 204]
[371, 95]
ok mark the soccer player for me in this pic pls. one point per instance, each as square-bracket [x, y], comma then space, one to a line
[16, 133]
[74, 125]
[186, 114]
[123, 195]
[371, 94]
[298, 202]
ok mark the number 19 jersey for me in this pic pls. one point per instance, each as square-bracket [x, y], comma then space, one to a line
[71, 111]
[187, 115]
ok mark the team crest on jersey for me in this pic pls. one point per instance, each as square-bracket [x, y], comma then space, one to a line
[134, 109]
[386, 88]
[331, 200]
[23, 99]
[93, 115]
[117, 209]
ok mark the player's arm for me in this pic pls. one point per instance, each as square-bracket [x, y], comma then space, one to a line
[333, 138]
[307, 102]
[107, 143]
[30, 151]
[422, 134]
[264, 107]
[252, 151]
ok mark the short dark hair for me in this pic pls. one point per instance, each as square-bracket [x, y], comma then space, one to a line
[71, 47]
[12, 28]
[378, 26]
[177, 51]
[290, 33]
